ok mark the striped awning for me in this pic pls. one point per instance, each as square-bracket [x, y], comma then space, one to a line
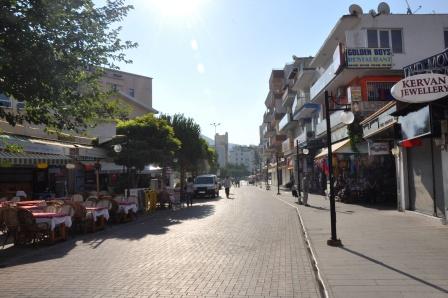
[31, 159]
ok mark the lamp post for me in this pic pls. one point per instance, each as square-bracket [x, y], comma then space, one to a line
[215, 125]
[346, 118]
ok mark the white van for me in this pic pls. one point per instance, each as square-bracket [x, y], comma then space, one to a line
[206, 186]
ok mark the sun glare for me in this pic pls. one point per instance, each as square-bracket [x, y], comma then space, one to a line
[176, 8]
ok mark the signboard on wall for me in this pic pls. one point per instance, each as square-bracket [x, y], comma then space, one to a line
[354, 93]
[368, 57]
[421, 88]
[379, 148]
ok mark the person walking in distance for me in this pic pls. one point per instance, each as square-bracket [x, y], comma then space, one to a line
[305, 189]
[190, 191]
[227, 184]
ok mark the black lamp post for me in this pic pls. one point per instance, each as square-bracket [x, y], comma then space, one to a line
[347, 118]
[299, 187]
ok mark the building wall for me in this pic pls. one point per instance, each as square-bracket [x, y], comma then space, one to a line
[243, 155]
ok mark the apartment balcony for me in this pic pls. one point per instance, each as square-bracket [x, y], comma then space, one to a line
[303, 137]
[286, 123]
[303, 108]
[275, 142]
[277, 81]
[269, 130]
[279, 111]
[288, 97]
[288, 147]
[268, 116]
[335, 122]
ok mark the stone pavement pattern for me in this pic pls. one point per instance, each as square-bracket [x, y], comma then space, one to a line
[249, 246]
[386, 253]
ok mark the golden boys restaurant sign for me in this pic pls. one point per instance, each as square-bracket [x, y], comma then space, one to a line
[368, 57]
[421, 88]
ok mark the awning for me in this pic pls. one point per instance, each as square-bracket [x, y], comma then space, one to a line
[112, 168]
[342, 147]
[32, 159]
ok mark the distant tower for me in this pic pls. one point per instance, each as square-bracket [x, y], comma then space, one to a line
[222, 149]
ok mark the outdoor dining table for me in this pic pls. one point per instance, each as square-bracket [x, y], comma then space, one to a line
[61, 220]
[125, 207]
[99, 214]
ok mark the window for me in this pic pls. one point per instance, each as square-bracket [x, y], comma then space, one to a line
[5, 101]
[445, 35]
[131, 92]
[379, 91]
[385, 38]
[114, 87]
[372, 39]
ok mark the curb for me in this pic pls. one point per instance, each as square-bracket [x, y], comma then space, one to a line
[318, 275]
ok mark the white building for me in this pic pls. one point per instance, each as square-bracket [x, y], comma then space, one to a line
[243, 155]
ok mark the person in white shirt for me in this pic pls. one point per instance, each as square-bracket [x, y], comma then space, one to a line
[227, 184]
[190, 191]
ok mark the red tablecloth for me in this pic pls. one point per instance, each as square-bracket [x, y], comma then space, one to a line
[31, 207]
[35, 202]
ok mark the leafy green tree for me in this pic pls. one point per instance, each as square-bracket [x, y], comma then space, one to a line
[194, 149]
[147, 140]
[51, 57]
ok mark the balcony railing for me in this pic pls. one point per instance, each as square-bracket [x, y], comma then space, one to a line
[288, 97]
[279, 110]
[335, 120]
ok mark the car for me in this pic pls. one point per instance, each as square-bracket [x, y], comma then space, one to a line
[206, 186]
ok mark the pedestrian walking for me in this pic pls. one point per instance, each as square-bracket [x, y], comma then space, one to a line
[305, 189]
[190, 192]
[227, 184]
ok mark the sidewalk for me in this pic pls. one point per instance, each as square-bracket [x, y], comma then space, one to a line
[386, 253]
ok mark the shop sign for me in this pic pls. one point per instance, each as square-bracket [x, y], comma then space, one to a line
[368, 57]
[379, 148]
[354, 93]
[436, 64]
[421, 88]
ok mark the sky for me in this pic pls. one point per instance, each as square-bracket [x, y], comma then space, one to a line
[211, 59]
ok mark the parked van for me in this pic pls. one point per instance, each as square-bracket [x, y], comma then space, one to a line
[206, 186]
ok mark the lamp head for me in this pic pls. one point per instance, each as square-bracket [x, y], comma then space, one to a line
[347, 117]
[305, 151]
[118, 148]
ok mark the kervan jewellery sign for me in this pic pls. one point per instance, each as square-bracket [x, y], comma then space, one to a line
[421, 88]
[368, 57]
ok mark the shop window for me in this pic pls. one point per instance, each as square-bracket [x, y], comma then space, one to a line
[385, 38]
[379, 91]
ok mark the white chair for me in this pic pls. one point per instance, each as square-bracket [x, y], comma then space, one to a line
[77, 198]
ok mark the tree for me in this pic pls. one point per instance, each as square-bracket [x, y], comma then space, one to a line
[234, 170]
[194, 149]
[147, 140]
[51, 57]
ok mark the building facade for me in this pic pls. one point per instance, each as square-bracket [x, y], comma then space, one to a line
[34, 159]
[222, 149]
[363, 57]
[244, 155]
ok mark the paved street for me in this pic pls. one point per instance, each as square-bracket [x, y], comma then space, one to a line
[386, 253]
[247, 246]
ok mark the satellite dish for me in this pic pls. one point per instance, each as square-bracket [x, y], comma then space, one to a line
[355, 10]
[383, 8]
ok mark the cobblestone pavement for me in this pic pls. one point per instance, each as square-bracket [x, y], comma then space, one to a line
[247, 246]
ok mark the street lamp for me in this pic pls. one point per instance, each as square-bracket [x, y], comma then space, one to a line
[347, 118]
[215, 125]
[304, 151]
